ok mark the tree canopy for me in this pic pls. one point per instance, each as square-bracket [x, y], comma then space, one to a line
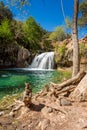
[28, 34]
[58, 34]
[5, 32]
[33, 30]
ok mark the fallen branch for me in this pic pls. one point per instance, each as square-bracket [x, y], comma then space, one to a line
[18, 107]
[73, 81]
[66, 89]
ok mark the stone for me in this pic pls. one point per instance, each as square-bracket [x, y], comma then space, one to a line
[23, 57]
[65, 102]
[44, 124]
[12, 114]
[14, 55]
[50, 110]
[2, 113]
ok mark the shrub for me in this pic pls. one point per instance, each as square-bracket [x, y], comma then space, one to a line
[83, 48]
[59, 34]
[62, 49]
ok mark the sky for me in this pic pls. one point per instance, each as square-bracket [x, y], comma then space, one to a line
[48, 13]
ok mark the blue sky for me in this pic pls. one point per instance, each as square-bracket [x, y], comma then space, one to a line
[47, 13]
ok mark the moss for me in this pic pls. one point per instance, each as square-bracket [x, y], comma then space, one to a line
[15, 123]
[66, 74]
[8, 100]
[63, 75]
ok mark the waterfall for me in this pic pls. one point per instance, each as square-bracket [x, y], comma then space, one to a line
[43, 61]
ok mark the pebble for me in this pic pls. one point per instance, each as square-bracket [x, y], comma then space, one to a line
[2, 113]
[65, 102]
[50, 110]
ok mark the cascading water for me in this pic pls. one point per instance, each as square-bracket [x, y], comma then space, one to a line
[43, 61]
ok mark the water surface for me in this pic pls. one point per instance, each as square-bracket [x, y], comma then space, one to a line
[12, 80]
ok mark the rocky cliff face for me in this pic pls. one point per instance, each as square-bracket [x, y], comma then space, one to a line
[13, 55]
[66, 59]
[23, 57]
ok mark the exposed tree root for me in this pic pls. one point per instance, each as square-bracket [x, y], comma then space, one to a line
[48, 96]
[73, 81]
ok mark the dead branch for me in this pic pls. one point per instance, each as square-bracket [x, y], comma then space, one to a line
[66, 89]
[73, 81]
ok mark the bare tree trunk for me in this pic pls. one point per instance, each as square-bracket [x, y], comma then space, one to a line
[76, 60]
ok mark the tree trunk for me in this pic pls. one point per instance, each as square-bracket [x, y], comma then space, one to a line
[76, 60]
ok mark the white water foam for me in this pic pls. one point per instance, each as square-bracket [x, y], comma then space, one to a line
[43, 61]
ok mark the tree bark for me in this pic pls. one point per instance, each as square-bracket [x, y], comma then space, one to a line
[76, 59]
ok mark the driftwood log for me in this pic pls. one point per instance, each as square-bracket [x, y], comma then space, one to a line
[73, 81]
[66, 89]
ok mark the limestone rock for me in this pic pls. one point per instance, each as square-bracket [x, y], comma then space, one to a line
[44, 124]
[14, 55]
[8, 55]
[80, 93]
[2, 113]
[23, 57]
[65, 102]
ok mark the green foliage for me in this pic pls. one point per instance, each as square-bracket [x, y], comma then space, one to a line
[62, 75]
[33, 32]
[47, 45]
[5, 12]
[5, 32]
[60, 52]
[62, 49]
[58, 34]
[17, 27]
[83, 11]
[8, 100]
[83, 49]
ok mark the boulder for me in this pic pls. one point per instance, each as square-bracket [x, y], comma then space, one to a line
[66, 60]
[80, 92]
[23, 57]
[8, 55]
[65, 102]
